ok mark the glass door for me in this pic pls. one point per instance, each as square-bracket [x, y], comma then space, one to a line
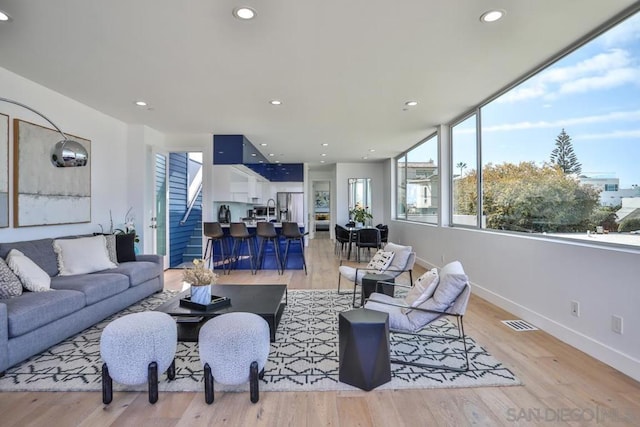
[159, 214]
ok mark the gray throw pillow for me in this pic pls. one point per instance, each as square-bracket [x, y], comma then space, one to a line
[10, 285]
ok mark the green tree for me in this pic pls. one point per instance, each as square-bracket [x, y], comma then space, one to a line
[564, 156]
[526, 197]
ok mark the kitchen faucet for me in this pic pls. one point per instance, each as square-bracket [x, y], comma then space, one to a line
[274, 208]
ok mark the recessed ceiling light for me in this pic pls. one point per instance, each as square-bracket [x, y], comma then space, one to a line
[253, 154]
[321, 161]
[411, 103]
[244, 13]
[275, 102]
[492, 15]
[325, 144]
[263, 144]
[372, 150]
[364, 157]
[271, 154]
[277, 161]
[4, 16]
[141, 103]
[324, 154]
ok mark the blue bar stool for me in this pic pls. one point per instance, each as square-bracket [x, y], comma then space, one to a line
[291, 232]
[266, 232]
[213, 232]
[240, 234]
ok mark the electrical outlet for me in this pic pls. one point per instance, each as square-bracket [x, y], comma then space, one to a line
[575, 308]
[616, 324]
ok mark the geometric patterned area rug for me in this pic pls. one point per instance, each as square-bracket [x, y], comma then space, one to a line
[303, 358]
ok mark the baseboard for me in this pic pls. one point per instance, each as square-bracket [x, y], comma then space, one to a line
[600, 351]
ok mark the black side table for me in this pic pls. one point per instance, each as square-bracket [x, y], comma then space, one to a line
[364, 348]
[369, 283]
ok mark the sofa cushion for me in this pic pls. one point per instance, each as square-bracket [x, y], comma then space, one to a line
[138, 271]
[95, 287]
[82, 255]
[10, 285]
[30, 274]
[39, 251]
[35, 309]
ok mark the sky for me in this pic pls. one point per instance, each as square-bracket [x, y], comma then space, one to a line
[592, 93]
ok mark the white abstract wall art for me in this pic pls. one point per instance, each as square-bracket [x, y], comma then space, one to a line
[45, 194]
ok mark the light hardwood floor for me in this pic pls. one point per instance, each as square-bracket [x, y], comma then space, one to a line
[562, 386]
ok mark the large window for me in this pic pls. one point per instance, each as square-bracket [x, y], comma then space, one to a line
[553, 145]
[464, 174]
[418, 194]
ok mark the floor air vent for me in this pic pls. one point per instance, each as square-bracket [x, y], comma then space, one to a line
[519, 325]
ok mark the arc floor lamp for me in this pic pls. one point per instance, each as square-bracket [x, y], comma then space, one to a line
[66, 153]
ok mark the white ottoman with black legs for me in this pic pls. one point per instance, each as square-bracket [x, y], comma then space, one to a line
[234, 349]
[134, 348]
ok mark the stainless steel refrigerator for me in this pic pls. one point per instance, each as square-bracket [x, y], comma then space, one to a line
[291, 207]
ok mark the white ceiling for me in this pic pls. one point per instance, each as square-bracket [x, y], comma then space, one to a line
[343, 68]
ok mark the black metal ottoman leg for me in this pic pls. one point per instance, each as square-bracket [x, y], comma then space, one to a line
[171, 371]
[153, 382]
[253, 382]
[208, 384]
[107, 385]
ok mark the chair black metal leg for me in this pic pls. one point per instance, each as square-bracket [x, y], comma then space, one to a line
[260, 260]
[208, 384]
[171, 371]
[276, 244]
[153, 382]
[304, 263]
[286, 255]
[107, 385]
[253, 382]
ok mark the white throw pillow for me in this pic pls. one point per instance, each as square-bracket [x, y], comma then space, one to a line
[401, 256]
[82, 255]
[33, 278]
[423, 288]
[380, 261]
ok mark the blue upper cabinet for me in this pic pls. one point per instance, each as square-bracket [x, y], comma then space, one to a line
[279, 172]
[238, 150]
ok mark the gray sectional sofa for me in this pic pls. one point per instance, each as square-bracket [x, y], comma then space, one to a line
[34, 321]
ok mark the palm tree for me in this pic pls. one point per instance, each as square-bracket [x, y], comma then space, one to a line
[461, 166]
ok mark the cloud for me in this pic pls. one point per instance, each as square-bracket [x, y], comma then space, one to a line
[606, 70]
[625, 33]
[563, 123]
[616, 134]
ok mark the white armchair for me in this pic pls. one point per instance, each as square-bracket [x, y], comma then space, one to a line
[432, 297]
[402, 260]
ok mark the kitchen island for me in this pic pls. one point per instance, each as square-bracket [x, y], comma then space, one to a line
[269, 259]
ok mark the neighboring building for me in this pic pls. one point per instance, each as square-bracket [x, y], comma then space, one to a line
[610, 192]
[422, 187]
[630, 208]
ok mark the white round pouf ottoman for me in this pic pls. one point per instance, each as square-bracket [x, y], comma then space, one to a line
[234, 349]
[135, 348]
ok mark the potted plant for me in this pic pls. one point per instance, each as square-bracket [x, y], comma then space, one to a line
[200, 279]
[360, 214]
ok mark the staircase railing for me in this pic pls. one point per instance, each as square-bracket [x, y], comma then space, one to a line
[195, 188]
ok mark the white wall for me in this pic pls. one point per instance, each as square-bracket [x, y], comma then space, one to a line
[379, 186]
[536, 278]
[110, 169]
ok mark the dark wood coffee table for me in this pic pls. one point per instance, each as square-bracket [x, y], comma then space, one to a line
[263, 300]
